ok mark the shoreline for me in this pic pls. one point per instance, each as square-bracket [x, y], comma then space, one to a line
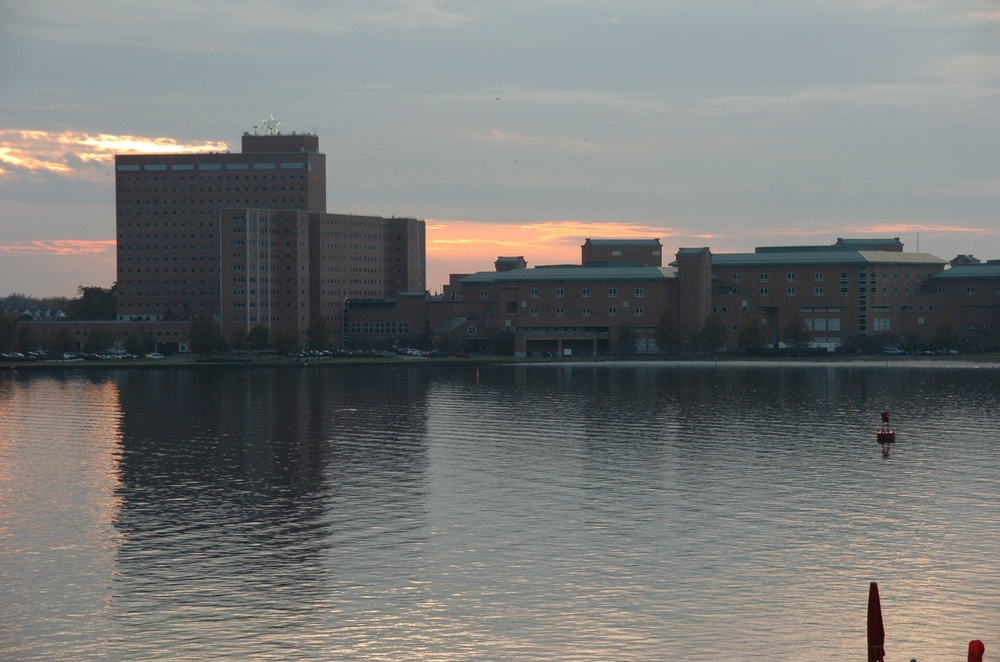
[986, 359]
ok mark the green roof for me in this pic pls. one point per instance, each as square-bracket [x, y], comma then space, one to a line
[571, 273]
[971, 271]
[809, 257]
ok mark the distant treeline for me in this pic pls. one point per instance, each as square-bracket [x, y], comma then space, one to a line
[93, 303]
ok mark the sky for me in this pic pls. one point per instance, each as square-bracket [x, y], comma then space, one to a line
[518, 127]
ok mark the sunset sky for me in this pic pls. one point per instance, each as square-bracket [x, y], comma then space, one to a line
[518, 127]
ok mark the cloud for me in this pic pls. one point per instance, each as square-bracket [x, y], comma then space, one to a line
[58, 247]
[78, 155]
[199, 27]
[879, 228]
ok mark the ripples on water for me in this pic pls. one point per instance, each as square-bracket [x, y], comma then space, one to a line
[583, 512]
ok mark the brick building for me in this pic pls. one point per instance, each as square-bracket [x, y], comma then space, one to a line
[852, 294]
[244, 238]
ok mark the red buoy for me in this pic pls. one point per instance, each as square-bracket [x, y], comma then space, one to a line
[885, 435]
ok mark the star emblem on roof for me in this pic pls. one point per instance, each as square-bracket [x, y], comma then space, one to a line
[269, 126]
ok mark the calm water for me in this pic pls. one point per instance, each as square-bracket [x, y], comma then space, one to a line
[584, 512]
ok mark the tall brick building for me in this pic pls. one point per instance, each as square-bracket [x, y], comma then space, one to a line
[245, 238]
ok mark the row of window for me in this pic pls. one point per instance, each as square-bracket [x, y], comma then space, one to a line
[383, 328]
[819, 275]
[229, 166]
[148, 190]
[585, 312]
[561, 293]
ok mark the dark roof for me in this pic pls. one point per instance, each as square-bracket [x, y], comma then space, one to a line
[859, 258]
[571, 273]
[840, 246]
[624, 242]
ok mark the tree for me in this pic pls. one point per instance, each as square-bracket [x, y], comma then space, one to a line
[62, 341]
[94, 303]
[206, 336]
[98, 340]
[320, 334]
[946, 334]
[238, 340]
[259, 338]
[503, 343]
[713, 333]
[8, 333]
[752, 335]
[285, 339]
[626, 339]
[138, 343]
[27, 339]
[667, 333]
[796, 334]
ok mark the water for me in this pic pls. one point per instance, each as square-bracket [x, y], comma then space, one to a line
[557, 512]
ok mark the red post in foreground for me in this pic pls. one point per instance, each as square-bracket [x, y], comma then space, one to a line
[876, 632]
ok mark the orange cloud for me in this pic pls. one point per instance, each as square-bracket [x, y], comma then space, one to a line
[59, 247]
[464, 246]
[69, 153]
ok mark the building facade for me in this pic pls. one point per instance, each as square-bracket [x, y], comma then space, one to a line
[853, 294]
[245, 239]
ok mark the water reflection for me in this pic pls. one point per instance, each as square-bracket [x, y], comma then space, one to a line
[584, 512]
[230, 489]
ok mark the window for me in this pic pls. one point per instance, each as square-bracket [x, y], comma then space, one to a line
[482, 294]
[763, 278]
[737, 278]
[763, 291]
[790, 278]
[534, 312]
[790, 291]
[638, 311]
[612, 312]
[612, 292]
[970, 290]
[638, 293]
[560, 293]
[586, 311]
[585, 293]
[560, 312]
[533, 293]
[818, 276]
[818, 292]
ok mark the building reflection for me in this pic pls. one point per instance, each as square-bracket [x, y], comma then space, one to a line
[238, 488]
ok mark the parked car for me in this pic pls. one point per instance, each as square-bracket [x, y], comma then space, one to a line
[154, 355]
[893, 351]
